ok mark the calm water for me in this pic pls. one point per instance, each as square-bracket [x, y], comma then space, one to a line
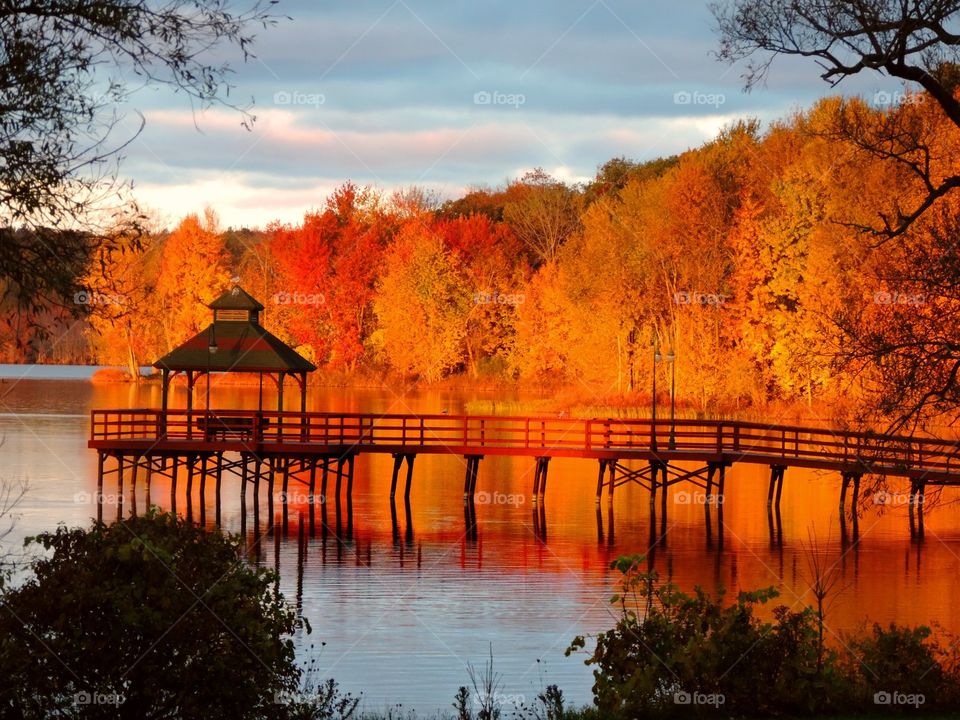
[404, 611]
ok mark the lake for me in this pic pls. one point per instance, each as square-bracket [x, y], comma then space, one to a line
[401, 612]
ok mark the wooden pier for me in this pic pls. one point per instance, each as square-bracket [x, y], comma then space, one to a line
[263, 447]
[311, 448]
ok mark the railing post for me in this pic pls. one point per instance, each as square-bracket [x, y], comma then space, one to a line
[720, 438]
[526, 437]
[736, 437]
[587, 440]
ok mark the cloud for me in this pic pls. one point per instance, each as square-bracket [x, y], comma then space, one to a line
[447, 95]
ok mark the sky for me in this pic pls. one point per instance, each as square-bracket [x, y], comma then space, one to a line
[449, 96]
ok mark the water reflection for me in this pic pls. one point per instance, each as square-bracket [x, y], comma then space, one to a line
[405, 593]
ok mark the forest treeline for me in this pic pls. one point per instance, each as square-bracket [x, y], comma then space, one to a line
[752, 261]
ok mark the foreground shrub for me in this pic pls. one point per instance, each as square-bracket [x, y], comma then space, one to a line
[674, 654]
[149, 618]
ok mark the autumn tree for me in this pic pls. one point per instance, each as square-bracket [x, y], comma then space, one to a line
[121, 286]
[193, 271]
[541, 347]
[544, 214]
[913, 41]
[326, 273]
[422, 303]
[496, 272]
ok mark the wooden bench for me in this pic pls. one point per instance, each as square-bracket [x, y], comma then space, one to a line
[228, 427]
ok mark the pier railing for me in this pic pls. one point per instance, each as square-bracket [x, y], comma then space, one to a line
[466, 434]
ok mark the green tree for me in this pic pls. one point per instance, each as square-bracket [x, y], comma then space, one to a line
[152, 617]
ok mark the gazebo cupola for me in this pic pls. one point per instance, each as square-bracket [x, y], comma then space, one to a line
[236, 305]
[235, 342]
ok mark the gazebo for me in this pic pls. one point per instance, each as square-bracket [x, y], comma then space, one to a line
[235, 342]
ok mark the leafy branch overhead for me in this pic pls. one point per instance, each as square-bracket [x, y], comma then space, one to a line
[66, 67]
[912, 41]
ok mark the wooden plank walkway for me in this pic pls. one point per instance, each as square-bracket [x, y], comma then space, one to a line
[307, 447]
[296, 434]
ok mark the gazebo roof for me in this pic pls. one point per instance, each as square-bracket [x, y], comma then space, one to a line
[240, 344]
[236, 298]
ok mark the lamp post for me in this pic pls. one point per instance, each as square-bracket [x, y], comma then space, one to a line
[212, 350]
[653, 414]
[672, 359]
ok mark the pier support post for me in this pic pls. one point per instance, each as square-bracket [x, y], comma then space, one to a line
[918, 492]
[776, 485]
[540, 477]
[661, 468]
[120, 461]
[470, 476]
[149, 481]
[721, 501]
[133, 485]
[219, 482]
[848, 476]
[271, 472]
[284, 498]
[339, 478]
[707, 516]
[350, 460]
[191, 461]
[406, 491]
[175, 462]
[397, 463]
[256, 486]
[244, 469]
[313, 487]
[203, 488]
[611, 482]
[100, 486]
[603, 468]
